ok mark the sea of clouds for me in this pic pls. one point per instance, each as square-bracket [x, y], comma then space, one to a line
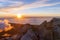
[4, 25]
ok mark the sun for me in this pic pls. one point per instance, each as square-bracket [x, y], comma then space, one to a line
[19, 15]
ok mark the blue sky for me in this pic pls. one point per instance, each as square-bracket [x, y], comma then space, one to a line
[30, 7]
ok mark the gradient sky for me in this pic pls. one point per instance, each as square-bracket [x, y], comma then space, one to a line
[30, 7]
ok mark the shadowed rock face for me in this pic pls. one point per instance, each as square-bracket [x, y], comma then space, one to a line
[56, 28]
[30, 35]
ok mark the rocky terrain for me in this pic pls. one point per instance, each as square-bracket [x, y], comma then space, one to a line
[45, 31]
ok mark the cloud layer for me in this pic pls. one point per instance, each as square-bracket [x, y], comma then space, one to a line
[9, 3]
[14, 6]
[4, 25]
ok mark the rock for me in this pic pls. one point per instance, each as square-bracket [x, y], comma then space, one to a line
[30, 35]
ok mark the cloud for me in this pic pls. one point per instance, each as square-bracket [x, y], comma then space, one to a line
[21, 6]
[15, 4]
[4, 25]
[10, 3]
[38, 4]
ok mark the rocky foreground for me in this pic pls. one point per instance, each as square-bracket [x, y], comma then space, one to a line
[45, 31]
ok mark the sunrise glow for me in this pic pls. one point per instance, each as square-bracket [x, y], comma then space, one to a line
[19, 15]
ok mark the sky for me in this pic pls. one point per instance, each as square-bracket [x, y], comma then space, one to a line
[30, 7]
